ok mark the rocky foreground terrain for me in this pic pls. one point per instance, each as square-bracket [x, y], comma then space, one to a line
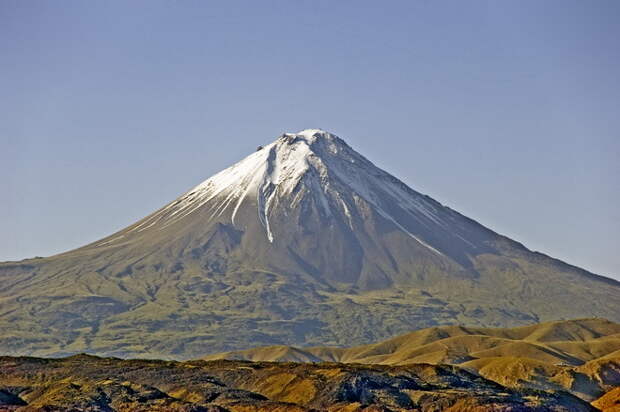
[88, 383]
[580, 356]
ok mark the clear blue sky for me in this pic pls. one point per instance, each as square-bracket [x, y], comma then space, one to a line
[507, 111]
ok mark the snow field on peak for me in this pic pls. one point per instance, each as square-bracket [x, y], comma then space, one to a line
[273, 172]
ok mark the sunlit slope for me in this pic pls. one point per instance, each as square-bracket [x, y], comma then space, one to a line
[610, 402]
[560, 342]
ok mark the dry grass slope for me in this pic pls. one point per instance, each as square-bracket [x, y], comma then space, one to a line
[580, 356]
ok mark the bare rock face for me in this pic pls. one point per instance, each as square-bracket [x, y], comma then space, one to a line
[303, 242]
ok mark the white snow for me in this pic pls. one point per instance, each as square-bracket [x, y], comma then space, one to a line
[114, 239]
[327, 166]
[309, 133]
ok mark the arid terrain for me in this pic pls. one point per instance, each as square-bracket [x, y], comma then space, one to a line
[580, 356]
[86, 383]
[554, 366]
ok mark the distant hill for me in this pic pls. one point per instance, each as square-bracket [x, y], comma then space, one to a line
[580, 356]
[304, 242]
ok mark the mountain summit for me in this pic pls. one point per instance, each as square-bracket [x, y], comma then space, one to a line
[311, 201]
[304, 241]
[313, 169]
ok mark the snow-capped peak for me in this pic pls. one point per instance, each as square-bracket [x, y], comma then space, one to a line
[311, 137]
[311, 165]
[311, 133]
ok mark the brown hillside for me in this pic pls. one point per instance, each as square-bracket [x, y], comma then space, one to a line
[581, 356]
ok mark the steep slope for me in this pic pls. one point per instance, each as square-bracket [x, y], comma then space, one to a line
[304, 242]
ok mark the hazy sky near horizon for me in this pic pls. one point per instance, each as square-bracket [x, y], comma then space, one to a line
[507, 111]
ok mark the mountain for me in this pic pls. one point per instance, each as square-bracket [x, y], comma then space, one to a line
[579, 356]
[303, 242]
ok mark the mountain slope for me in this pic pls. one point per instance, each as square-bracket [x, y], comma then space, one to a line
[304, 242]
